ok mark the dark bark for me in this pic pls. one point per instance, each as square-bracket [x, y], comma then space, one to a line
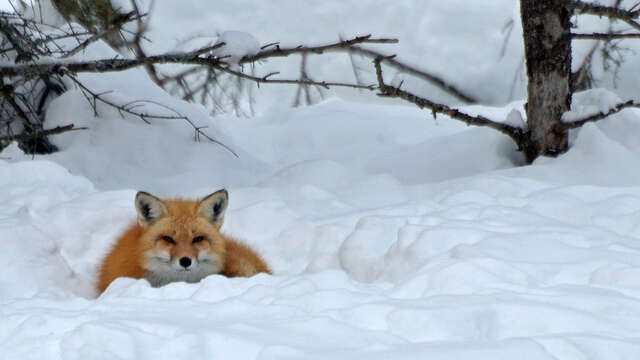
[547, 40]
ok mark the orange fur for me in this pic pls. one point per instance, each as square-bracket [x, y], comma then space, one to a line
[242, 260]
[134, 250]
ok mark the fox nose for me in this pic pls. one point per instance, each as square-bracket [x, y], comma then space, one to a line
[185, 262]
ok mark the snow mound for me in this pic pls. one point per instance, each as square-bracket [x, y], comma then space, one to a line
[386, 239]
[486, 266]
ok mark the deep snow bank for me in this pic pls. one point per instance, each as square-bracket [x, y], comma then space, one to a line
[540, 262]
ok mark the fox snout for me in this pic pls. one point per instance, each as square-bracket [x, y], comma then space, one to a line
[185, 262]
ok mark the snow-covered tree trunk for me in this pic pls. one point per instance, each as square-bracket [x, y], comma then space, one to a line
[547, 41]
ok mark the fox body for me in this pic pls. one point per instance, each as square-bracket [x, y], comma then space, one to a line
[178, 240]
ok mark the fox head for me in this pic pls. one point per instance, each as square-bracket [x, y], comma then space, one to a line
[180, 239]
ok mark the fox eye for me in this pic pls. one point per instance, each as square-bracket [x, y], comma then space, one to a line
[168, 239]
[197, 239]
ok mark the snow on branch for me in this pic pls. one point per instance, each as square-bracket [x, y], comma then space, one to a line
[29, 66]
[574, 124]
[109, 65]
[186, 58]
[211, 85]
[515, 133]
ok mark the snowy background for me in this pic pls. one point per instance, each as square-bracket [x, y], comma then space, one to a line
[391, 235]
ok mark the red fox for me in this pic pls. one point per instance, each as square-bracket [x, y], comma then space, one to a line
[178, 240]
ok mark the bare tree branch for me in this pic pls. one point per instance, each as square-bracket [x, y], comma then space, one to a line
[265, 79]
[390, 91]
[605, 36]
[104, 33]
[209, 84]
[600, 116]
[19, 42]
[582, 78]
[110, 65]
[348, 45]
[41, 133]
[354, 68]
[627, 16]
[433, 79]
[137, 46]
[175, 58]
[129, 108]
[283, 52]
[8, 93]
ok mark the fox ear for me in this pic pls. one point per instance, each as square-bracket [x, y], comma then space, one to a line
[213, 206]
[149, 208]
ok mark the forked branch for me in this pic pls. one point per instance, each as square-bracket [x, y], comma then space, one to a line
[628, 16]
[130, 108]
[188, 58]
[426, 76]
[515, 133]
[350, 46]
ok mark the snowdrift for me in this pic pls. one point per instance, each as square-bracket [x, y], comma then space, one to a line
[498, 261]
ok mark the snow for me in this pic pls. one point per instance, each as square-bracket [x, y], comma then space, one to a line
[392, 235]
[591, 102]
[514, 118]
[237, 45]
[539, 261]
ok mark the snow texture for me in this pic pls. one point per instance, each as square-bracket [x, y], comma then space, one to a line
[515, 119]
[392, 235]
[237, 45]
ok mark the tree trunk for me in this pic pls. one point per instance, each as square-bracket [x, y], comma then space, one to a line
[547, 43]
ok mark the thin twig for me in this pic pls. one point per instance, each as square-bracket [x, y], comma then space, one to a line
[282, 52]
[8, 93]
[265, 80]
[41, 133]
[137, 46]
[582, 79]
[128, 109]
[605, 36]
[102, 34]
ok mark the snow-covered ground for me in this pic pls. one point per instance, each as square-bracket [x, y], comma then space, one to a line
[391, 235]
